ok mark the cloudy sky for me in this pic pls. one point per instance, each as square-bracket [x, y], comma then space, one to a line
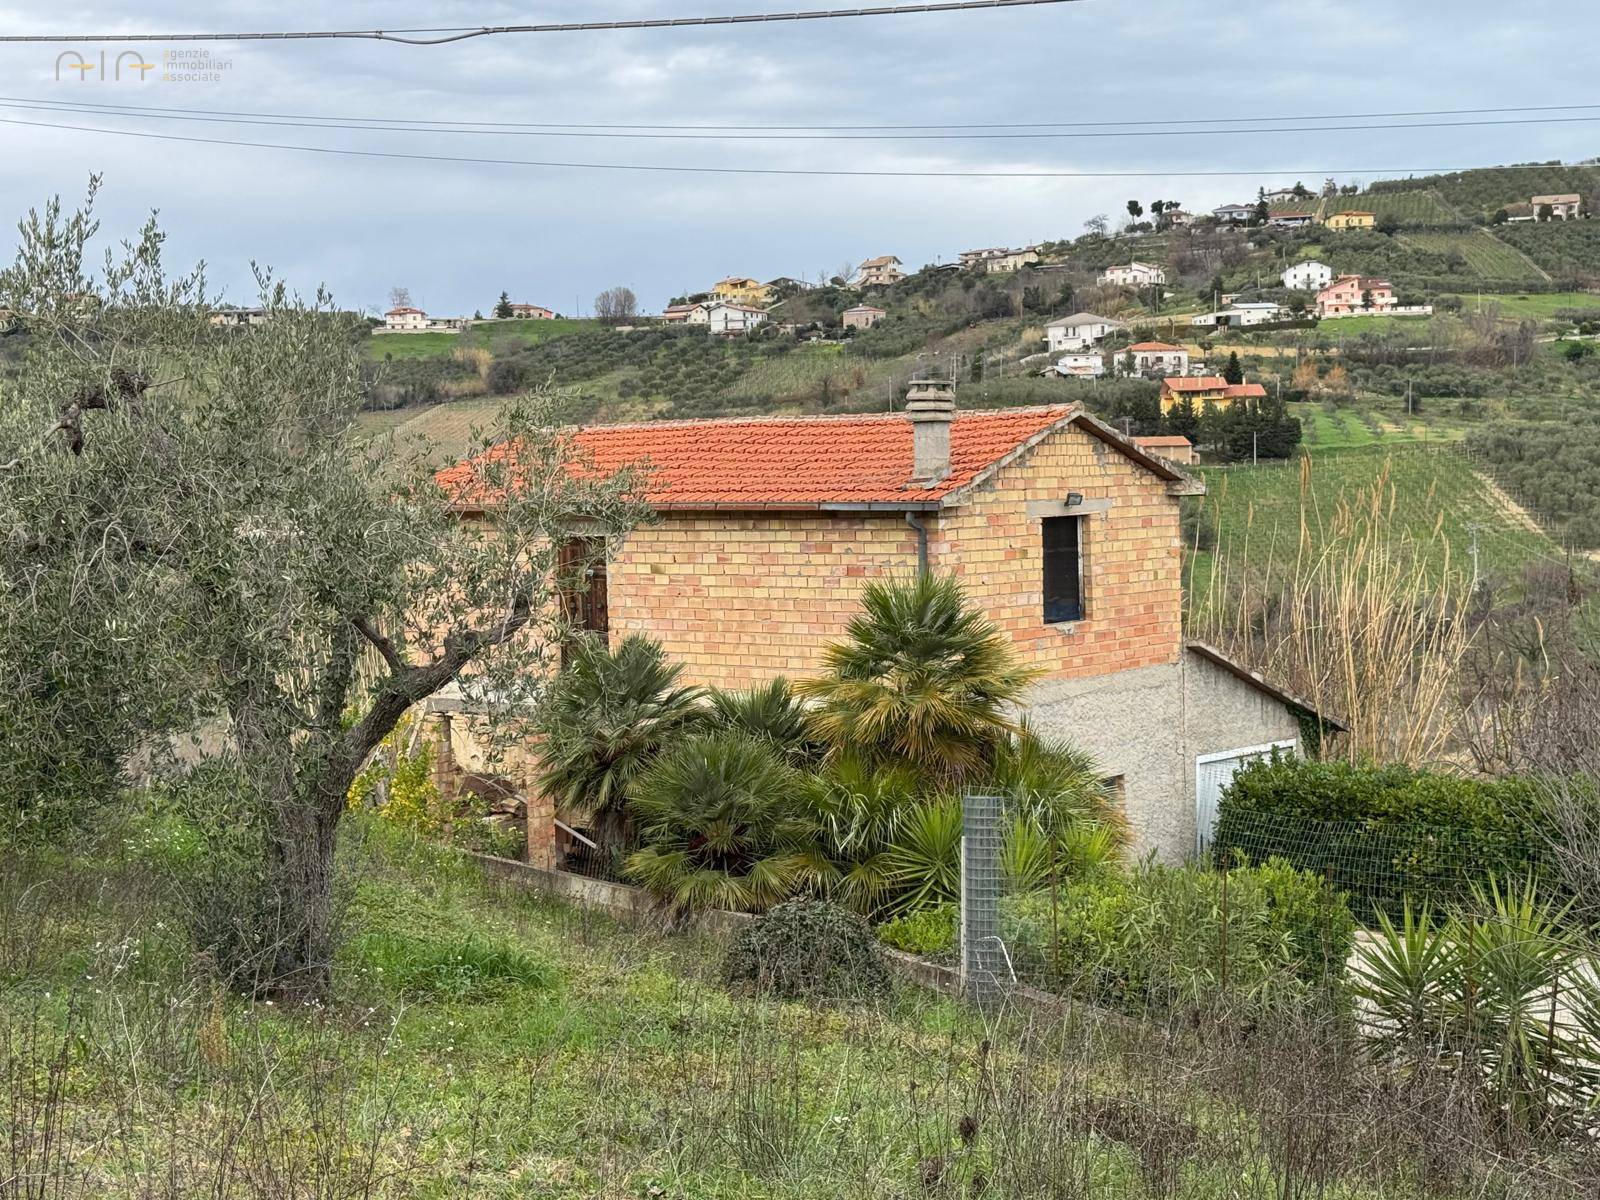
[456, 234]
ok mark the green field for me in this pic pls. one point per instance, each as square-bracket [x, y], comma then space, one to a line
[1535, 305]
[433, 345]
[1419, 207]
[1331, 427]
[1351, 326]
[1259, 512]
[1485, 254]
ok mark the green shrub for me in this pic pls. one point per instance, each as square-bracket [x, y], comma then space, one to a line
[1382, 833]
[1167, 937]
[928, 933]
[807, 949]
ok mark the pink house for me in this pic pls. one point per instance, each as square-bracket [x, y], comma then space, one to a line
[1354, 294]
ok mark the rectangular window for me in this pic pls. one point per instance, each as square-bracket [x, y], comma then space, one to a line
[1063, 569]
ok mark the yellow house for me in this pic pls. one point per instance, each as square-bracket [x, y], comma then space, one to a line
[1352, 220]
[735, 289]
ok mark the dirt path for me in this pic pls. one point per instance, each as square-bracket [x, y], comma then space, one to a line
[1518, 514]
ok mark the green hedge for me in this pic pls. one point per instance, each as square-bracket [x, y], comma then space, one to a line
[1166, 938]
[1382, 834]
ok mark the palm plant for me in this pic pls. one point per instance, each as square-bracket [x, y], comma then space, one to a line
[922, 680]
[721, 824]
[861, 812]
[604, 719]
[770, 711]
[1407, 977]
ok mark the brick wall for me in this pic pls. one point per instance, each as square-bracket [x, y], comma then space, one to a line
[1132, 560]
[740, 598]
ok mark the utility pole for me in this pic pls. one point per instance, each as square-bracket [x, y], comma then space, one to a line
[1255, 448]
[1473, 528]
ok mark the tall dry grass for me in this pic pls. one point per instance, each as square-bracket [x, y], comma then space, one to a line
[1361, 617]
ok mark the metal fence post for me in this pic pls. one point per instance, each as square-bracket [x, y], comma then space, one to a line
[985, 968]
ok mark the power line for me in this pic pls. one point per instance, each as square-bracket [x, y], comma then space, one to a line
[438, 36]
[312, 122]
[675, 168]
[109, 107]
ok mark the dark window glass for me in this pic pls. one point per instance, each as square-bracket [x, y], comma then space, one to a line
[1063, 569]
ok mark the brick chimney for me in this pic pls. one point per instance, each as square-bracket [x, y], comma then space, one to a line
[931, 405]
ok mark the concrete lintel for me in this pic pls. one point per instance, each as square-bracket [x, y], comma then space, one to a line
[1060, 508]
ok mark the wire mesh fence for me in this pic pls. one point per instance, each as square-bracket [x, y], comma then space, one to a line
[1383, 866]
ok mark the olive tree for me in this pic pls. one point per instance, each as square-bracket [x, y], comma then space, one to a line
[197, 534]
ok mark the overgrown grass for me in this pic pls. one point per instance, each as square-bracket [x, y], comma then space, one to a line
[584, 1058]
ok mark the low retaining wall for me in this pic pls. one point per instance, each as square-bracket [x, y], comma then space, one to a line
[631, 903]
[619, 899]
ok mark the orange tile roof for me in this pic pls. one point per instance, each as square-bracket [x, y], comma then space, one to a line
[1246, 391]
[1154, 346]
[1194, 383]
[1176, 439]
[810, 462]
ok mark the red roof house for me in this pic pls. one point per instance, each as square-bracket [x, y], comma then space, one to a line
[1062, 532]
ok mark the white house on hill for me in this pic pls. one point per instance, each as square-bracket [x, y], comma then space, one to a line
[1309, 276]
[1079, 331]
[1134, 274]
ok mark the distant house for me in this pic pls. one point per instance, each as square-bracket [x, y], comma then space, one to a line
[1284, 219]
[862, 316]
[1079, 331]
[879, 272]
[979, 258]
[230, 317]
[532, 312]
[677, 314]
[1088, 364]
[737, 289]
[1156, 358]
[1234, 214]
[787, 283]
[1177, 218]
[1355, 294]
[1134, 274]
[1241, 315]
[1172, 447]
[1352, 219]
[405, 319]
[998, 260]
[1012, 260]
[1308, 276]
[728, 320]
[1201, 390]
[1563, 207]
[1283, 195]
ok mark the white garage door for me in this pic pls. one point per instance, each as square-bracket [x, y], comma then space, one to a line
[1212, 773]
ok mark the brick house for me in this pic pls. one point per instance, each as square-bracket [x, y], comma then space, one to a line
[532, 312]
[1062, 532]
[862, 316]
